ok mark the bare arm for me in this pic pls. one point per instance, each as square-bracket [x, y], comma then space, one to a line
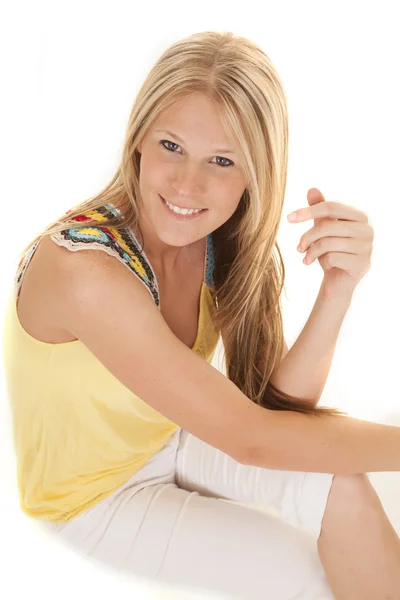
[304, 369]
[326, 444]
[294, 441]
[105, 306]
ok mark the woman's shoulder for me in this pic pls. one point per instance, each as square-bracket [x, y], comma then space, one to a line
[119, 243]
[39, 271]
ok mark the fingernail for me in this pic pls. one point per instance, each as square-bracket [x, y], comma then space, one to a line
[292, 216]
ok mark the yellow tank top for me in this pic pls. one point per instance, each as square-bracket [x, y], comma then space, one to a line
[78, 432]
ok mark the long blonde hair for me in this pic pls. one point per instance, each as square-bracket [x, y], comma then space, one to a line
[249, 272]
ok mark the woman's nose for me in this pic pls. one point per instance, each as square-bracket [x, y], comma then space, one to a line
[189, 182]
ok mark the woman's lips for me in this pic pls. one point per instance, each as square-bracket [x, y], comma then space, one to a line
[178, 215]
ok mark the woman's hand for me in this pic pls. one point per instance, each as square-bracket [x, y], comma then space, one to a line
[341, 239]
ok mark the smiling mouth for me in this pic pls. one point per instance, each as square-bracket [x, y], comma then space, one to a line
[181, 207]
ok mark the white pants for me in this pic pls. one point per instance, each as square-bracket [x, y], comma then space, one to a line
[168, 524]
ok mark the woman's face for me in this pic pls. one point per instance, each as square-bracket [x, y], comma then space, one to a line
[192, 166]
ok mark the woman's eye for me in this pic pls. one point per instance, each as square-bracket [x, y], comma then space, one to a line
[168, 142]
[163, 142]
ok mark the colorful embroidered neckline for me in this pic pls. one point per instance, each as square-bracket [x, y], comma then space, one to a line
[120, 243]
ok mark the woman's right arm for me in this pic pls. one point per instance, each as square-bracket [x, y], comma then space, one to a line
[99, 301]
[324, 444]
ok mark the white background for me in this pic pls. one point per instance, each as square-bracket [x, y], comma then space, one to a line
[69, 75]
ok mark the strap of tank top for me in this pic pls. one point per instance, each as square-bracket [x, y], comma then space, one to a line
[119, 243]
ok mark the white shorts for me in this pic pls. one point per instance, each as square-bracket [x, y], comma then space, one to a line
[169, 524]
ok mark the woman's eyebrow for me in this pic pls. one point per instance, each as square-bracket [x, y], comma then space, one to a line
[226, 151]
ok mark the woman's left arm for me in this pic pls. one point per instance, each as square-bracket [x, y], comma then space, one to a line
[341, 240]
[304, 368]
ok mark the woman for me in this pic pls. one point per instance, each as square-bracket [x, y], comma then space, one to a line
[127, 439]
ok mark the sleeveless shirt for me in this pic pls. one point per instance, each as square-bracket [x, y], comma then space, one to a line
[78, 432]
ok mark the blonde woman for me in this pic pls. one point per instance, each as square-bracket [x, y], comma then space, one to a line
[127, 438]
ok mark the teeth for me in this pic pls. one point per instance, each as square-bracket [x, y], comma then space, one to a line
[182, 211]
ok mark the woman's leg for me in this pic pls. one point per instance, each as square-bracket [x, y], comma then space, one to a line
[153, 529]
[357, 545]
[299, 497]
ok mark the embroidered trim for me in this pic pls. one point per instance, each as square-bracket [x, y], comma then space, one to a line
[121, 244]
[210, 262]
[23, 263]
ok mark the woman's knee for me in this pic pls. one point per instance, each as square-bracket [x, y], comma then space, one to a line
[349, 495]
[357, 486]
